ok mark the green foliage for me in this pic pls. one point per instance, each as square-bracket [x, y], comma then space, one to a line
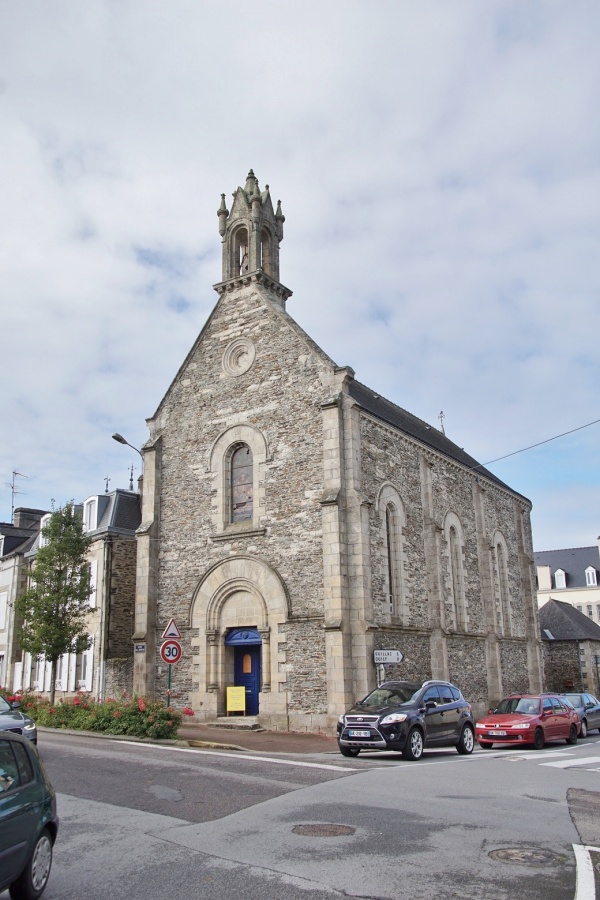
[133, 716]
[51, 613]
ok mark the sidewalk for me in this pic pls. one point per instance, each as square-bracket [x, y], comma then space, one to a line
[259, 741]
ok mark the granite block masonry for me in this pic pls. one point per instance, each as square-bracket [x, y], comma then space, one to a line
[293, 522]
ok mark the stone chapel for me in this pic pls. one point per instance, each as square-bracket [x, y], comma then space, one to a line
[294, 522]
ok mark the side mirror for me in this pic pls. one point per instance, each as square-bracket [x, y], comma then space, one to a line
[430, 704]
[15, 704]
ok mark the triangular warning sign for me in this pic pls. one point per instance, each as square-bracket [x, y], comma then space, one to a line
[171, 631]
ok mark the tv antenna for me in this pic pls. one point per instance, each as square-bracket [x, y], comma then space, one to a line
[14, 492]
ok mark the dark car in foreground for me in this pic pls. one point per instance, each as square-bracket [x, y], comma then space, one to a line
[587, 708]
[12, 719]
[528, 719]
[407, 717]
[28, 820]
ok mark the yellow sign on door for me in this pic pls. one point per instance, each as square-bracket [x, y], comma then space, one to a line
[236, 699]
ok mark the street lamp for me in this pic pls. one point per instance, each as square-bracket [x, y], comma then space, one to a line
[121, 440]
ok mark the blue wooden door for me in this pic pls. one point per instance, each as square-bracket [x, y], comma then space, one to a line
[246, 673]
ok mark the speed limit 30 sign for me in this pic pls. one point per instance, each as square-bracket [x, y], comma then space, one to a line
[171, 651]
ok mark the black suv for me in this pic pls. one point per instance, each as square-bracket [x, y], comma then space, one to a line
[405, 716]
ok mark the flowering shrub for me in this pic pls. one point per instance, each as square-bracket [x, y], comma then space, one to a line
[134, 716]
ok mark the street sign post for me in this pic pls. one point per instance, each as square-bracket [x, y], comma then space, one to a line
[387, 657]
[171, 653]
[171, 631]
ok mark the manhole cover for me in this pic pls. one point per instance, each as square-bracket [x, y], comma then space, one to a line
[527, 856]
[323, 830]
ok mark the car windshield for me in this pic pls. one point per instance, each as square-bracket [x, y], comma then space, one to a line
[527, 705]
[575, 699]
[4, 706]
[391, 695]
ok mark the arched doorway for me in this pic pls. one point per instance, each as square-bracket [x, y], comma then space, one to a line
[246, 644]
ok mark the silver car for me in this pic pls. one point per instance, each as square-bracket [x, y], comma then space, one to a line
[12, 719]
[588, 709]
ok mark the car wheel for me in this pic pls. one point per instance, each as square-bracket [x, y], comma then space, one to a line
[414, 745]
[467, 741]
[584, 729]
[538, 739]
[349, 751]
[572, 739]
[485, 745]
[31, 882]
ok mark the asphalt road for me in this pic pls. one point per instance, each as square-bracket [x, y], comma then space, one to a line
[145, 821]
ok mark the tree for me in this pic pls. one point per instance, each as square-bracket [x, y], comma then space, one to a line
[52, 612]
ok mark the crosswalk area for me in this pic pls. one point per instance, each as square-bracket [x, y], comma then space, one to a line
[555, 759]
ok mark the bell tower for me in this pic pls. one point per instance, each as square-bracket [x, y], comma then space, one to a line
[251, 234]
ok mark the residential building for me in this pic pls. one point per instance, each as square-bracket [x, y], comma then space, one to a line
[294, 522]
[16, 539]
[571, 643]
[571, 576]
[106, 667]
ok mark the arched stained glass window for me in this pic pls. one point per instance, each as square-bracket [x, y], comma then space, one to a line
[241, 484]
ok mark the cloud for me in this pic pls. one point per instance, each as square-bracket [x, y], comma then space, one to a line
[438, 167]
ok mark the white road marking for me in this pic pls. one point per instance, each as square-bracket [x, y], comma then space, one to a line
[269, 759]
[567, 763]
[585, 888]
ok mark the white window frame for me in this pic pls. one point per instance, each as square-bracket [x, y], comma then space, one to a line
[90, 514]
[560, 579]
[93, 569]
[42, 541]
[591, 577]
[86, 678]
[3, 609]
[26, 671]
[17, 677]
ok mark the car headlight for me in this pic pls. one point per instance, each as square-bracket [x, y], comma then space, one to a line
[394, 717]
[30, 727]
[341, 720]
[523, 725]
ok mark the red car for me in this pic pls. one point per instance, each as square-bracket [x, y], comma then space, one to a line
[528, 719]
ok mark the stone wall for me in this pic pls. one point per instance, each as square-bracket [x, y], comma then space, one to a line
[561, 664]
[119, 677]
[278, 398]
[306, 672]
[122, 599]
[482, 509]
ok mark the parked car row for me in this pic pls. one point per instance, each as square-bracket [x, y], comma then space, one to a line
[409, 717]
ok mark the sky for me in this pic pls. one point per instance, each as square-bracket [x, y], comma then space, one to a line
[438, 165]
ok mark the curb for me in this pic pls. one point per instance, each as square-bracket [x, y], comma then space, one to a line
[178, 742]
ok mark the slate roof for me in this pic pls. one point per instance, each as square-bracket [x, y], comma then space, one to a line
[565, 623]
[574, 561]
[404, 421]
[16, 538]
[121, 512]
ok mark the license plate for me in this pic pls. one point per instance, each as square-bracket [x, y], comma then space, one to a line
[353, 732]
[497, 733]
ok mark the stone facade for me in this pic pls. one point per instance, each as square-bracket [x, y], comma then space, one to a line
[349, 525]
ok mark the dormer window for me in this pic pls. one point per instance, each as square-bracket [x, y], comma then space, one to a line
[90, 514]
[560, 578]
[43, 522]
[591, 577]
